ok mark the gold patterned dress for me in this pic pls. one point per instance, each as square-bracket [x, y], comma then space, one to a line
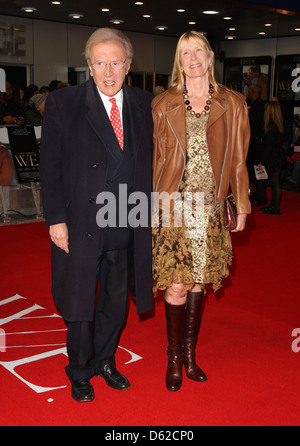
[199, 249]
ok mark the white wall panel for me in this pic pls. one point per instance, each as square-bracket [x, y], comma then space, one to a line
[50, 52]
[77, 37]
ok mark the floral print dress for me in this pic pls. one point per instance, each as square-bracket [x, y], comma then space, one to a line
[198, 250]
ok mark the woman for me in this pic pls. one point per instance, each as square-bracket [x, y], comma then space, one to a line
[201, 138]
[273, 155]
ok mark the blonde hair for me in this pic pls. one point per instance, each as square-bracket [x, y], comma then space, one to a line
[178, 80]
[106, 34]
[273, 115]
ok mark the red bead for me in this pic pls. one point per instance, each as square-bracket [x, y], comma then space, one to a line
[206, 108]
[210, 91]
[198, 115]
[208, 102]
[189, 107]
[185, 91]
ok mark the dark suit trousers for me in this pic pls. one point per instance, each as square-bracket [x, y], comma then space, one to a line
[92, 344]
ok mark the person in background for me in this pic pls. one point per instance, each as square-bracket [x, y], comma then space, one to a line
[30, 91]
[11, 108]
[63, 85]
[293, 160]
[273, 155]
[97, 137]
[35, 111]
[256, 148]
[6, 167]
[44, 90]
[53, 85]
[201, 139]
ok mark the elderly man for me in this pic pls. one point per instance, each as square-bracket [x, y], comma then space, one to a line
[97, 138]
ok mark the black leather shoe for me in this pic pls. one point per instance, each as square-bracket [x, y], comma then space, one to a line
[82, 391]
[113, 378]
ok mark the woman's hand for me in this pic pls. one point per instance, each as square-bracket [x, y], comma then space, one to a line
[241, 223]
[59, 235]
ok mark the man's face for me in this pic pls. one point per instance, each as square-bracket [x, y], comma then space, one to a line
[110, 79]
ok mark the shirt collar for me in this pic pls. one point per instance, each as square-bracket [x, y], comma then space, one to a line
[118, 97]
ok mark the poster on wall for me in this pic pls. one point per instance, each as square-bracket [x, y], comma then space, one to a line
[287, 70]
[244, 74]
[25, 153]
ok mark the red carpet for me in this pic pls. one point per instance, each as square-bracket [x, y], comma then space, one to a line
[245, 345]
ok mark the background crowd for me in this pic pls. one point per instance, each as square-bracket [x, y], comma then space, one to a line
[18, 106]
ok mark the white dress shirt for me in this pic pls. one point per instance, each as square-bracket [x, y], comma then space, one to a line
[107, 104]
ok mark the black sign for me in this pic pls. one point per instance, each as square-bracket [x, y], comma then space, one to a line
[287, 70]
[25, 153]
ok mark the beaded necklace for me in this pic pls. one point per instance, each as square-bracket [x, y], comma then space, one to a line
[207, 106]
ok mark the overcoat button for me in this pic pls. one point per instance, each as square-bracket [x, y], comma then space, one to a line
[88, 234]
[95, 165]
[92, 200]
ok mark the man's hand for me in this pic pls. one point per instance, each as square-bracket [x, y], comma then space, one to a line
[59, 235]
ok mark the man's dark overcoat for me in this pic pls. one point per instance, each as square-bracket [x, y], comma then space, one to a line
[74, 167]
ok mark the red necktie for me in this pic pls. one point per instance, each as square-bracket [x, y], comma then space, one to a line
[115, 120]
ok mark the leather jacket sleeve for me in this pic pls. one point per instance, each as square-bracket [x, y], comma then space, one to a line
[239, 181]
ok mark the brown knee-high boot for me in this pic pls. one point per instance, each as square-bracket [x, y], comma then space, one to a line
[175, 318]
[194, 311]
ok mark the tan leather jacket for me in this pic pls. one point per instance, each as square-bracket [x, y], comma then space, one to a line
[228, 135]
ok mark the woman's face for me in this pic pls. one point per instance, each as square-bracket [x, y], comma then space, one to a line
[195, 60]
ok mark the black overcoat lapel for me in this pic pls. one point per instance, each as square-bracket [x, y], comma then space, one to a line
[98, 119]
[133, 120]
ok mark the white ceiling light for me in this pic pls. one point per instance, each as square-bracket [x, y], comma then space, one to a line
[161, 27]
[28, 9]
[116, 21]
[210, 12]
[76, 15]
